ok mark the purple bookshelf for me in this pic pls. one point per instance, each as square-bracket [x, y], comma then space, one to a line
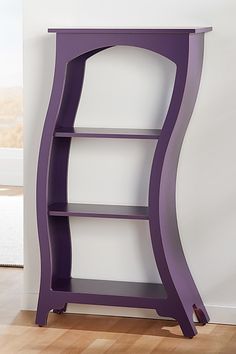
[177, 296]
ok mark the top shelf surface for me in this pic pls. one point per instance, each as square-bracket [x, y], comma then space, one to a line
[158, 30]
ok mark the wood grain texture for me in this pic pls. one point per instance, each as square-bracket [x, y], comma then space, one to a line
[73, 334]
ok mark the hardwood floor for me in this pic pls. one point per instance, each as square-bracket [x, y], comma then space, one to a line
[72, 334]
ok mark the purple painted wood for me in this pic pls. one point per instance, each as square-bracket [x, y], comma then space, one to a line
[112, 293]
[71, 132]
[74, 46]
[159, 30]
[99, 211]
[110, 287]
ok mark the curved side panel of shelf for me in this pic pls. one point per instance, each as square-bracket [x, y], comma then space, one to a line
[54, 233]
[44, 194]
[183, 296]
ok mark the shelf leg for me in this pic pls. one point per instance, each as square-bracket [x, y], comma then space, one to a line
[45, 307]
[60, 311]
[201, 314]
[185, 320]
[182, 313]
[42, 313]
[182, 293]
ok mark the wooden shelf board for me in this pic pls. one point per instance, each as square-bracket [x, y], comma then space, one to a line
[119, 133]
[110, 288]
[152, 30]
[99, 211]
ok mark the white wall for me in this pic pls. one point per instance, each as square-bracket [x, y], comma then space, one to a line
[11, 166]
[206, 188]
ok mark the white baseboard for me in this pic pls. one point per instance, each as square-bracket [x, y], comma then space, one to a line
[218, 314]
[11, 166]
[222, 314]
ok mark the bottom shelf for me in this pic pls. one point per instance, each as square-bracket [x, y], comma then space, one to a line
[109, 288]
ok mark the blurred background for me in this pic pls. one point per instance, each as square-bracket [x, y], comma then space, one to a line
[11, 126]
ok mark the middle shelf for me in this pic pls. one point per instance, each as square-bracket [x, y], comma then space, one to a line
[72, 132]
[99, 211]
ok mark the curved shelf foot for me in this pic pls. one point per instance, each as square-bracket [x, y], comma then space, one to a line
[44, 308]
[42, 314]
[181, 313]
[186, 323]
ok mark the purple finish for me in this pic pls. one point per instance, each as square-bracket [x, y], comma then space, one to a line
[74, 46]
[109, 287]
[160, 30]
[99, 211]
[112, 293]
[107, 133]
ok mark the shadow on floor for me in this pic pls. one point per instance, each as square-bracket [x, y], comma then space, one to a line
[110, 324]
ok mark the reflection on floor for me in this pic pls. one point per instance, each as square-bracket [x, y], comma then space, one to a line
[10, 191]
[11, 225]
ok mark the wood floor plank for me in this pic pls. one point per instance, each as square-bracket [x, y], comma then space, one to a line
[144, 344]
[122, 343]
[32, 341]
[70, 342]
[230, 346]
[98, 346]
